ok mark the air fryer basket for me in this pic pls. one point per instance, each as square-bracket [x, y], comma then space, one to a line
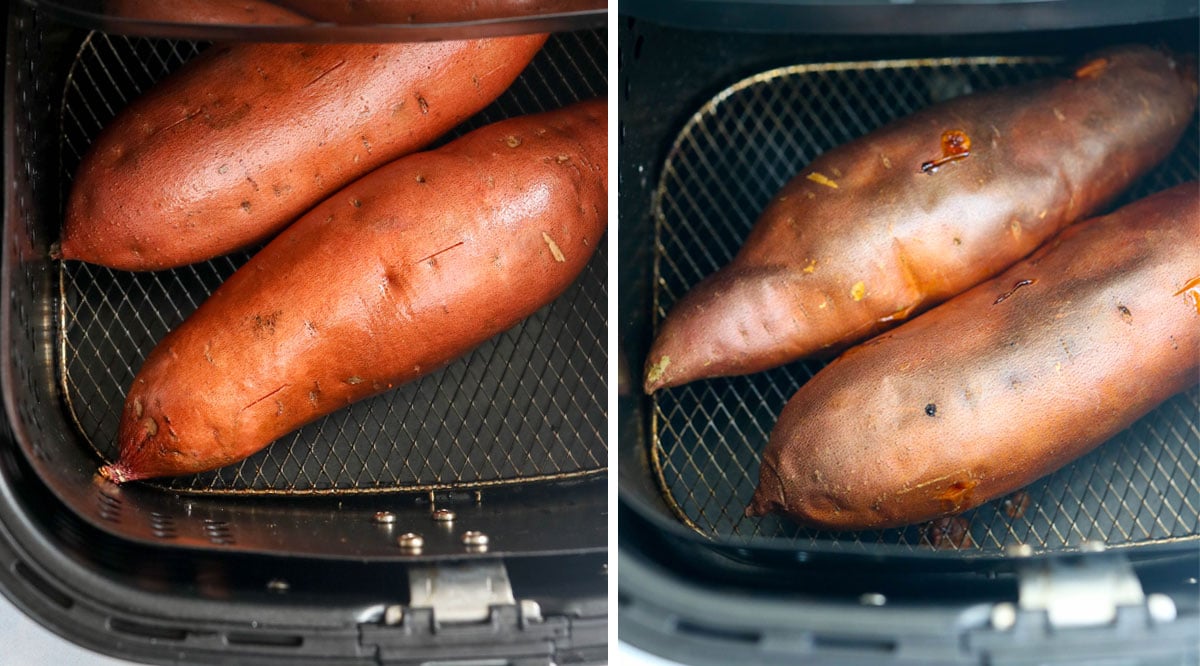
[723, 156]
[516, 426]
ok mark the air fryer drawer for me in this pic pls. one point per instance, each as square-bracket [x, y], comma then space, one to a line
[499, 436]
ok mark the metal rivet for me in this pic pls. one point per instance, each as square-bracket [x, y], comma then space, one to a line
[1004, 616]
[473, 538]
[531, 610]
[1019, 550]
[393, 615]
[384, 517]
[872, 599]
[278, 585]
[443, 515]
[411, 541]
[1161, 607]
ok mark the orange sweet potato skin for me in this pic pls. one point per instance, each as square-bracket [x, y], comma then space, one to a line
[232, 12]
[391, 278]
[1000, 385]
[246, 138]
[432, 11]
[863, 238]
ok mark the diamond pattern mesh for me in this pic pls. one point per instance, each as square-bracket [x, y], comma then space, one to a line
[527, 405]
[1141, 487]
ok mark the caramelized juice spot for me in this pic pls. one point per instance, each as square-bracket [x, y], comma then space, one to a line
[1191, 292]
[1003, 297]
[1092, 69]
[858, 291]
[955, 146]
[821, 179]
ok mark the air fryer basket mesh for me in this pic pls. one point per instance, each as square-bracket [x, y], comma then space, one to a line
[733, 155]
[528, 405]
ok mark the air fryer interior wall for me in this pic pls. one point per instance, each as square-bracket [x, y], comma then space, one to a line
[526, 408]
[668, 74]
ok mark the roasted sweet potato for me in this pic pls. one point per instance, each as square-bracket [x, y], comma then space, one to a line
[230, 12]
[394, 276]
[432, 11]
[1001, 385]
[922, 209]
[246, 138]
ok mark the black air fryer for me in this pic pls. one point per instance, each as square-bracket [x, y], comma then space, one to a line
[460, 518]
[720, 104]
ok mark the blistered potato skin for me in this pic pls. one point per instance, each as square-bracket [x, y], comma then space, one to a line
[391, 278]
[1001, 385]
[247, 137]
[863, 238]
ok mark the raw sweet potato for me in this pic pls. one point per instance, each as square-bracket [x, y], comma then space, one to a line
[432, 11]
[229, 12]
[246, 138]
[1000, 385]
[394, 276]
[922, 209]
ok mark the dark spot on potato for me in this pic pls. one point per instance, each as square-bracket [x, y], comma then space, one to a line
[1126, 315]
[354, 380]
[310, 327]
[948, 532]
[512, 141]
[265, 323]
[224, 168]
[931, 409]
[246, 206]
[357, 203]
[957, 241]
[1015, 504]
[420, 178]
[423, 103]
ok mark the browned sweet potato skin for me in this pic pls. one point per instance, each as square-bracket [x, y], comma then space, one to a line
[432, 11]
[230, 12]
[248, 137]
[394, 276]
[1000, 385]
[863, 238]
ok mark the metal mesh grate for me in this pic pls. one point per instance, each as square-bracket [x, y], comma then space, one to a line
[734, 154]
[528, 405]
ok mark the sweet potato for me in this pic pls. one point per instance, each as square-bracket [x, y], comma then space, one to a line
[394, 276]
[228, 12]
[432, 11]
[907, 216]
[246, 138]
[1001, 385]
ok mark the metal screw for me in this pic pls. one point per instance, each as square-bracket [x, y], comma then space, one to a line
[531, 610]
[473, 538]
[1161, 607]
[443, 515]
[393, 615]
[872, 599]
[1019, 550]
[278, 585]
[411, 541]
[1004, 616]
[384, 517]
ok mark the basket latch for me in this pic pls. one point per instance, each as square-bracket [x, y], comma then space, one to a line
[1086, 591]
